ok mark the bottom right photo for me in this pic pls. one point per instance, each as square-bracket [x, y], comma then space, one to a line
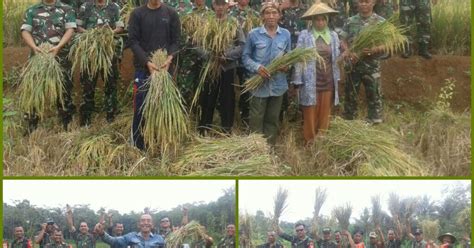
[355, 213]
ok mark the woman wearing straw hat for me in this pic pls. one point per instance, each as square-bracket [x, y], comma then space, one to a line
[317, 82]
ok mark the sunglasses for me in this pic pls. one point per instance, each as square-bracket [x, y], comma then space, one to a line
[299, 230]
[165, 221]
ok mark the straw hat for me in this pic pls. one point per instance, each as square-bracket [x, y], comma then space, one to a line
[318, 8]
[440, 238]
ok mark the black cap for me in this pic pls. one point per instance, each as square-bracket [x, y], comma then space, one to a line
[326, 230]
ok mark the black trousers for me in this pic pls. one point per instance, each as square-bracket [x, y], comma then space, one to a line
[223, 90]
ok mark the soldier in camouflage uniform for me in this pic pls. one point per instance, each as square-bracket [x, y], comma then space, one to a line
[100, 13]
[75, 4]
[353, 9]
[300, 240]
[326, 241]
[53, 22]
[364, 70]
[45, 235]
[229, 240]
[57, 241]
[271, 241]
[20, 240]
[83, 238]
[384, 8]
[243, 13]
[418, 11]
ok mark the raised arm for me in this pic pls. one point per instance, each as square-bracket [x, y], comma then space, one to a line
[69, 218]
[185, 219]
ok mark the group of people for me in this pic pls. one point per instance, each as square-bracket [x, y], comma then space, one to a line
[51, 235]
[287, 25]
[344, 239]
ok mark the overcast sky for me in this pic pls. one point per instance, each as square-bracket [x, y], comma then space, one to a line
[258, 195]
[122, 195]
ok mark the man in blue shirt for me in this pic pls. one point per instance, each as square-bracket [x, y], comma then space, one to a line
[263, 45]
[142, 239]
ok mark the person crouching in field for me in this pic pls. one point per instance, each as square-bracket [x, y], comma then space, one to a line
[95, 14]
[53, 22]
[317, 82]
[262, 46]
[364, 70]
[151, 27]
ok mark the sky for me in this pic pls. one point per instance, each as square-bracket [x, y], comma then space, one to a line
[122, 195]
[258, 195]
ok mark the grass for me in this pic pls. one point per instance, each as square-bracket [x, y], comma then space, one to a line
[42, 83]
[451, 27]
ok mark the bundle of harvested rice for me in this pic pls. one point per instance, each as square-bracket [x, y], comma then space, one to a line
[298, 55]
[126, 11]
[394, 204]
[245, 230]
[165, 121]
[320, 198]
[42, 83]
[191, 23]
[343, 215]
[377, 213]
[251, 21]
[279, 206]
[387, 35]
[430, 229]
[228, 155]
[215, 37]
[366, 150]
[192, 231]
[93, 51]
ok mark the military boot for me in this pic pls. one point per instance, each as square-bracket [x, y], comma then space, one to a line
[423, 51]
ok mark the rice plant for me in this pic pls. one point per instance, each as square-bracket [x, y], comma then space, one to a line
[13, 14]
[279, 205]
[298, 55]
[228, 156]
[431, 229]
[42, 83]
[343, 215]
[93, 51]
[387, 35]
[451, 27]
[165, 121]
[319, 200]
[192, 232]
[251, 21]
[126, 11]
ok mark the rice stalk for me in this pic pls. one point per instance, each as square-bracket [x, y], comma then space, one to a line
[229, 155]
[394, 204]
[13, 14]
[192, 232]
[319, 200]
[245, 231]
[367, 150]
[126, 11]
[93, 51]
[165, 121]
[298, 55]
[343, 215]
[279, 205]
[42, 83]
[377, 213]
[430, 229]
[251, 21]
[387, 35]
[215, 37]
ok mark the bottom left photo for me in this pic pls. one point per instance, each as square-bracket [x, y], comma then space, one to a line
[119, 213]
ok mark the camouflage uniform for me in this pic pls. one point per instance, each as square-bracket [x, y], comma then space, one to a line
[353, 10]
[291, 20]
[227, 242]
[21, 243]
[90, 16]
[384, 10]
[268, 245]
[337, 21]
[307, 242]
[418, 11]
[242, 73]
[326, 244]
[48, 24]
[56, 245]
[76, 4]
[46, 240]
[366, 71]
[83, 240]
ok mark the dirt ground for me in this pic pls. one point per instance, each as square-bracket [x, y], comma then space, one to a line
[413, 81]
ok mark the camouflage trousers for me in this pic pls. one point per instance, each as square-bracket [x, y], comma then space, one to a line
[417, 12]
[66, 110]
[372, 85]
[384, 10]
[89, 82]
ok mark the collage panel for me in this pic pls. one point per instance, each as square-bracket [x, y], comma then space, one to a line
[355, 213]
[237, 88]
[119, 213]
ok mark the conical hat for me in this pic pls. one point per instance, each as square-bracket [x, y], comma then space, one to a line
[440, 238]
[318, 8]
